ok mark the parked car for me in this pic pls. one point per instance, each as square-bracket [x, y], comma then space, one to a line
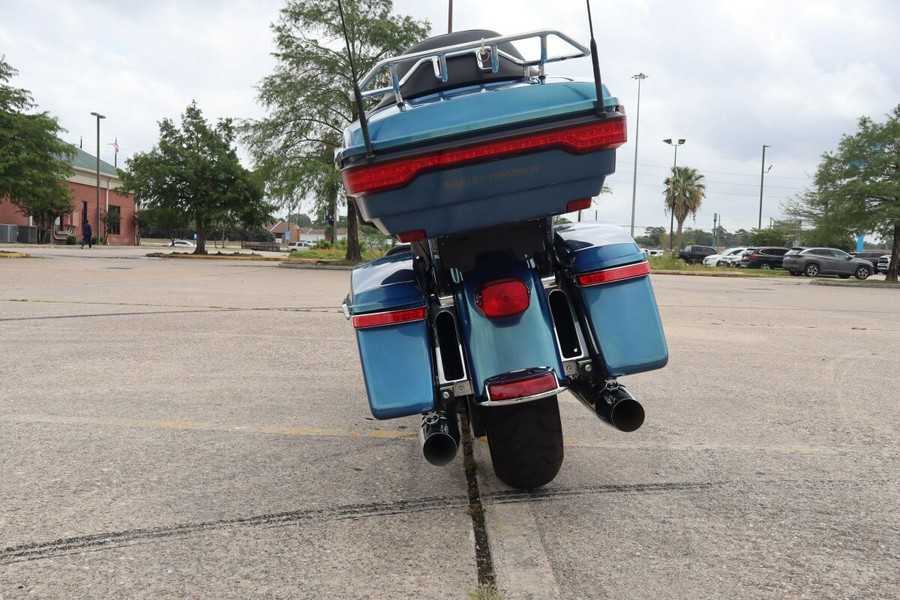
[883, 263]
[725, 258]
[183, 244]
[301, 245]
[694, 253]
[872, 257]
[763, 257]
[653, 251]
[813, 262]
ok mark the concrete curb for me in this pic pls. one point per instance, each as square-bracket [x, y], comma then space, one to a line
[324, 267]
[871, 284]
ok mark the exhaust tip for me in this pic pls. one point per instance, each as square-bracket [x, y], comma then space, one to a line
[439, 449]
[627, 415]
[439, 435]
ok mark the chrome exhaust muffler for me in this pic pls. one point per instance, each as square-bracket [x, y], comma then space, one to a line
[439, 435]
[612, 402]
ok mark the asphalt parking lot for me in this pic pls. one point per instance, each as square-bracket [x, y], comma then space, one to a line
[187, 428]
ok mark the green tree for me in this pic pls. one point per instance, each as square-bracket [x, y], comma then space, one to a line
[170, 222]
[652, 237]
[308, 100]
[684, 194]
[857, 187]
[781, 233]
[195, 172]
[34, 162]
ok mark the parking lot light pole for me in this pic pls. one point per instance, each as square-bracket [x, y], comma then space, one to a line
[675, 143]
[762, 176]
[637, 131]
[99, 116]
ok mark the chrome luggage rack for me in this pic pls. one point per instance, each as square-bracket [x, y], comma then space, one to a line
[487, 53]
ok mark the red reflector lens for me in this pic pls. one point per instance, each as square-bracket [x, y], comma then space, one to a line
[523, 388]
[389, 318]
[503, 298]
[411, 236]
[616, 274]
[576, 205]
[607, 134]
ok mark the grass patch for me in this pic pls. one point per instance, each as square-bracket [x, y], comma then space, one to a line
[12, 254]
[333, 255]
[485, 592]
[671, 263]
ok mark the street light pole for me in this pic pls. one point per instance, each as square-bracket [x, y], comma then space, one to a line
[675, 143]
[99, 116]
[637, 131]
[762, 176]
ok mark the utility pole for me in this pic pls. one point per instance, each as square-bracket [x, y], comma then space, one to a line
[762, 176]
[99, 116]
[675, 143]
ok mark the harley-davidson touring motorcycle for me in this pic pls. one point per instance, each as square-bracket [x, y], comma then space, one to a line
[488, 308]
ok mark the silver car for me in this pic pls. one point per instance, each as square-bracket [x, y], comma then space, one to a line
[813, 262]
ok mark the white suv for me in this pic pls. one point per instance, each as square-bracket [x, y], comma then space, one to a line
[303, 245]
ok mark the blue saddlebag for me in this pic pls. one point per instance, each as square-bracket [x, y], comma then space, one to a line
[388, 312]
[613, 284]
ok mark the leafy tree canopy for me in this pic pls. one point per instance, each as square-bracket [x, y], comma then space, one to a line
[307, 97]
[195, 172]
[857, 187]
[34, 162]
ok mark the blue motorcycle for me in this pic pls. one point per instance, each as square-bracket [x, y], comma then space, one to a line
[487, 308]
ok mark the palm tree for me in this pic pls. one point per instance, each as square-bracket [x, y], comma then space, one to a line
[684, 194]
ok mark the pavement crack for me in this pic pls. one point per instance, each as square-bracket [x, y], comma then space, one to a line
[483, 560]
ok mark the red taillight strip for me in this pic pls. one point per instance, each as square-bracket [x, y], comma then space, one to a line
[388, 318]
[522, 388]
[607, 134]
[615, 274]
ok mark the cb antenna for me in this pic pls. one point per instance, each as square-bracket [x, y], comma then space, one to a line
[357, 94]
[595, 62]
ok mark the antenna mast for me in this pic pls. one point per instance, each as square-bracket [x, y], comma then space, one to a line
[357, 95]
[595, 63]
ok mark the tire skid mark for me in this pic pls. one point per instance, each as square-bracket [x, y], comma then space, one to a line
[109, 540]
[116, 539]
[545, 495]
[164, 310]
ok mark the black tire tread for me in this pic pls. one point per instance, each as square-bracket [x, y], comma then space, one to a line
[526, 442]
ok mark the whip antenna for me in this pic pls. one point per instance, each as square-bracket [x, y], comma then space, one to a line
[595, 62]
[357, 94]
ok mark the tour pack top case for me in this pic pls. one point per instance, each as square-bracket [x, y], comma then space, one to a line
[470, 135]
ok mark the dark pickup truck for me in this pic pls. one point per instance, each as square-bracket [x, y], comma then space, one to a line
[695, 254]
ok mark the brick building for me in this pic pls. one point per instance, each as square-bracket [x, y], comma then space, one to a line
[83, 185]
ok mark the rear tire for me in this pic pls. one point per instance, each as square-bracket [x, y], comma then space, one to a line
[526, 442]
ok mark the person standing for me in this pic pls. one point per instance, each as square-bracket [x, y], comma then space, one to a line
[87, 235]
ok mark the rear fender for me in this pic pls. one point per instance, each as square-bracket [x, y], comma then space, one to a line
[496, 347]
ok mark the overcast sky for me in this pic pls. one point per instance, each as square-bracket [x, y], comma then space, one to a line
[726, 76]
